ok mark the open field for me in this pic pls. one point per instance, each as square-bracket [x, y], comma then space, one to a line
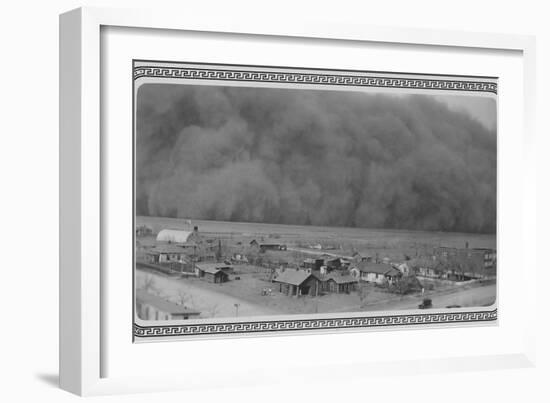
[338, 240]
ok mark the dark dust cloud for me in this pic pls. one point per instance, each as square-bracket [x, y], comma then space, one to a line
[313, 157]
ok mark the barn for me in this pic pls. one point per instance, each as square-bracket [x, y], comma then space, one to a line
[298, 282]
[179, 236]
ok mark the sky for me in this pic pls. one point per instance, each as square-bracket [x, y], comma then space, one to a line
[333, 158]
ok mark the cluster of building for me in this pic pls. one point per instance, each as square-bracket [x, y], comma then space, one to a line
[296, 282]
[332, 274]
[189, 252]
[456, 264]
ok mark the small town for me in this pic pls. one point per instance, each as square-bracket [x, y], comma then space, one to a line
[188, 274]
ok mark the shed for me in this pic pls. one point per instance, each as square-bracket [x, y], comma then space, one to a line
[297, 283]
[339, 283]
[213, 272]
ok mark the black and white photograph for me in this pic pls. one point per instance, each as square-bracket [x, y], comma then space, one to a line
[267, 194]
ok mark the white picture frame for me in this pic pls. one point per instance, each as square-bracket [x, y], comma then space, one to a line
[83, 351]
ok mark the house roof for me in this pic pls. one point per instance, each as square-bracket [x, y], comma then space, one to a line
[294, 277]
[163, 305]
[379, 268]
[168, 248]
[212, 267]
[341, 279]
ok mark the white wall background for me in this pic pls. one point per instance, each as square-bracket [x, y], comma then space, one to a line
[29, 201]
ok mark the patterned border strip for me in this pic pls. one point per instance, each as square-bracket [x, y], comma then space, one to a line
[313, 78]
[313, 324]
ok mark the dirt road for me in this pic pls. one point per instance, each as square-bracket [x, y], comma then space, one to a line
[465, 297]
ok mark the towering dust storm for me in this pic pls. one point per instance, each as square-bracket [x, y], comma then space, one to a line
[313, 157]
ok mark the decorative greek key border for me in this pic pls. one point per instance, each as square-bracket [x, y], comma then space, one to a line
[366, 79]
[313, 324]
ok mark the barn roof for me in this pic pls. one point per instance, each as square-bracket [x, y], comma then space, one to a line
[294, 277]
[174, 235]
[162, 304]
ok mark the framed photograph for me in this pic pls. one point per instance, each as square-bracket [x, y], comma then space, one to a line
[221, 184]
[273, 199]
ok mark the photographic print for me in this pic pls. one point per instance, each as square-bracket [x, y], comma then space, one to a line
[271, 199]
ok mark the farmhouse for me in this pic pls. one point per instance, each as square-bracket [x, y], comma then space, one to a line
[213, 272]
[339, 283]
[152, 307]
[165, 254]
[298, 282]
[179, 236]
[378, 273]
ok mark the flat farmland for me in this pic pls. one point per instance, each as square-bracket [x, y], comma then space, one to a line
[335, 240]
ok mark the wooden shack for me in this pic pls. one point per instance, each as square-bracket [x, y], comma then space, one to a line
[339, 283]
[213, 272]
[298, 282]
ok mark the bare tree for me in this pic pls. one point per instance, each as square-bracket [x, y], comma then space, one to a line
[182, 298]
